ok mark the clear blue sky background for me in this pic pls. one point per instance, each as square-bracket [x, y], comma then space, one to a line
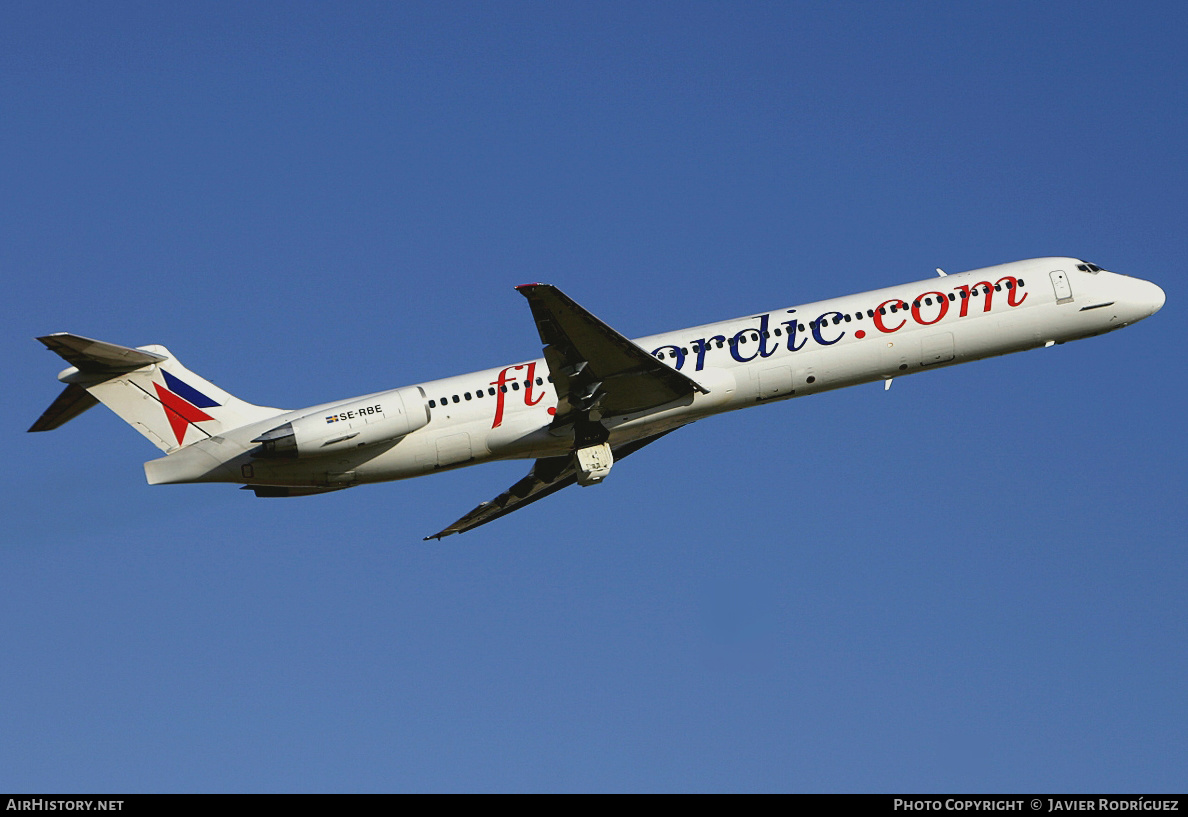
[972, 582]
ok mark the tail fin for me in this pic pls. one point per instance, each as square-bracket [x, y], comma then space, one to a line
[148, 388]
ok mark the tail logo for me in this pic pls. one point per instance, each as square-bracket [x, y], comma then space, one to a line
[183, 405]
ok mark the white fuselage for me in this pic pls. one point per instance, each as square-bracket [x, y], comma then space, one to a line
[505, 412]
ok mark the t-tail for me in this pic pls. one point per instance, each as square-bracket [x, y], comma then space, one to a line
[148, 388]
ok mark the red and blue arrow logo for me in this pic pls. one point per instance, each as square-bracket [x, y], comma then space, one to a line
[183, 404]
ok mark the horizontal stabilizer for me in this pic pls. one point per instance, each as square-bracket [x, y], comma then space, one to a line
[73, 401]
[97, 356]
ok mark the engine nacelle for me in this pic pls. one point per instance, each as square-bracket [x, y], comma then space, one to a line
[382, 418]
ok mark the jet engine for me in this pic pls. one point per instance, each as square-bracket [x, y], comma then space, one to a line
[385, 417]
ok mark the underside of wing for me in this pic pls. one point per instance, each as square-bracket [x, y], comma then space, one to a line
[548, 475]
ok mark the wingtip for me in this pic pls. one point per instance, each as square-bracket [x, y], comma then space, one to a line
[534, 285]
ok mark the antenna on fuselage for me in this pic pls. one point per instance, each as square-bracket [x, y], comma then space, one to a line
[941, 272]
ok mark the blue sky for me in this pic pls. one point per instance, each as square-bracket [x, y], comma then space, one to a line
[973, 582]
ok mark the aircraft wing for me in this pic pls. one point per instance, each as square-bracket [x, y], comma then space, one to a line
[594, 368]
[548, 475]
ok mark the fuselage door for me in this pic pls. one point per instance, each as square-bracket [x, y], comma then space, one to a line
[775, 381]
[1062, 286]
[937, 348]
[453, 449]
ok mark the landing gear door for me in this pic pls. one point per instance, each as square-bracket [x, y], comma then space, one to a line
[1061, 285]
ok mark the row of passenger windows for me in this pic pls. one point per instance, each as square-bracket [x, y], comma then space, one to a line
[490, 392]
[754, 336]
[840, 317]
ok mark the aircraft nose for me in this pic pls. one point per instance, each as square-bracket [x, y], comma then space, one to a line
[1142, 298]
[1156, 297]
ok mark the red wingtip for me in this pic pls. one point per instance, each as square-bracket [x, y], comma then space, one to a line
[526, 286]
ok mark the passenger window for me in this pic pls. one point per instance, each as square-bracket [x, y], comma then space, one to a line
[456, 398]
[432, 404]
[467, 395]
[516, 386]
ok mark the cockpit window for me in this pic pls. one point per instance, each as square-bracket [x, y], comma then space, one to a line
[1085, 267]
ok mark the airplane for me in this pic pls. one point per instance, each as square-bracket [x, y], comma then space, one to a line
[595, 397]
